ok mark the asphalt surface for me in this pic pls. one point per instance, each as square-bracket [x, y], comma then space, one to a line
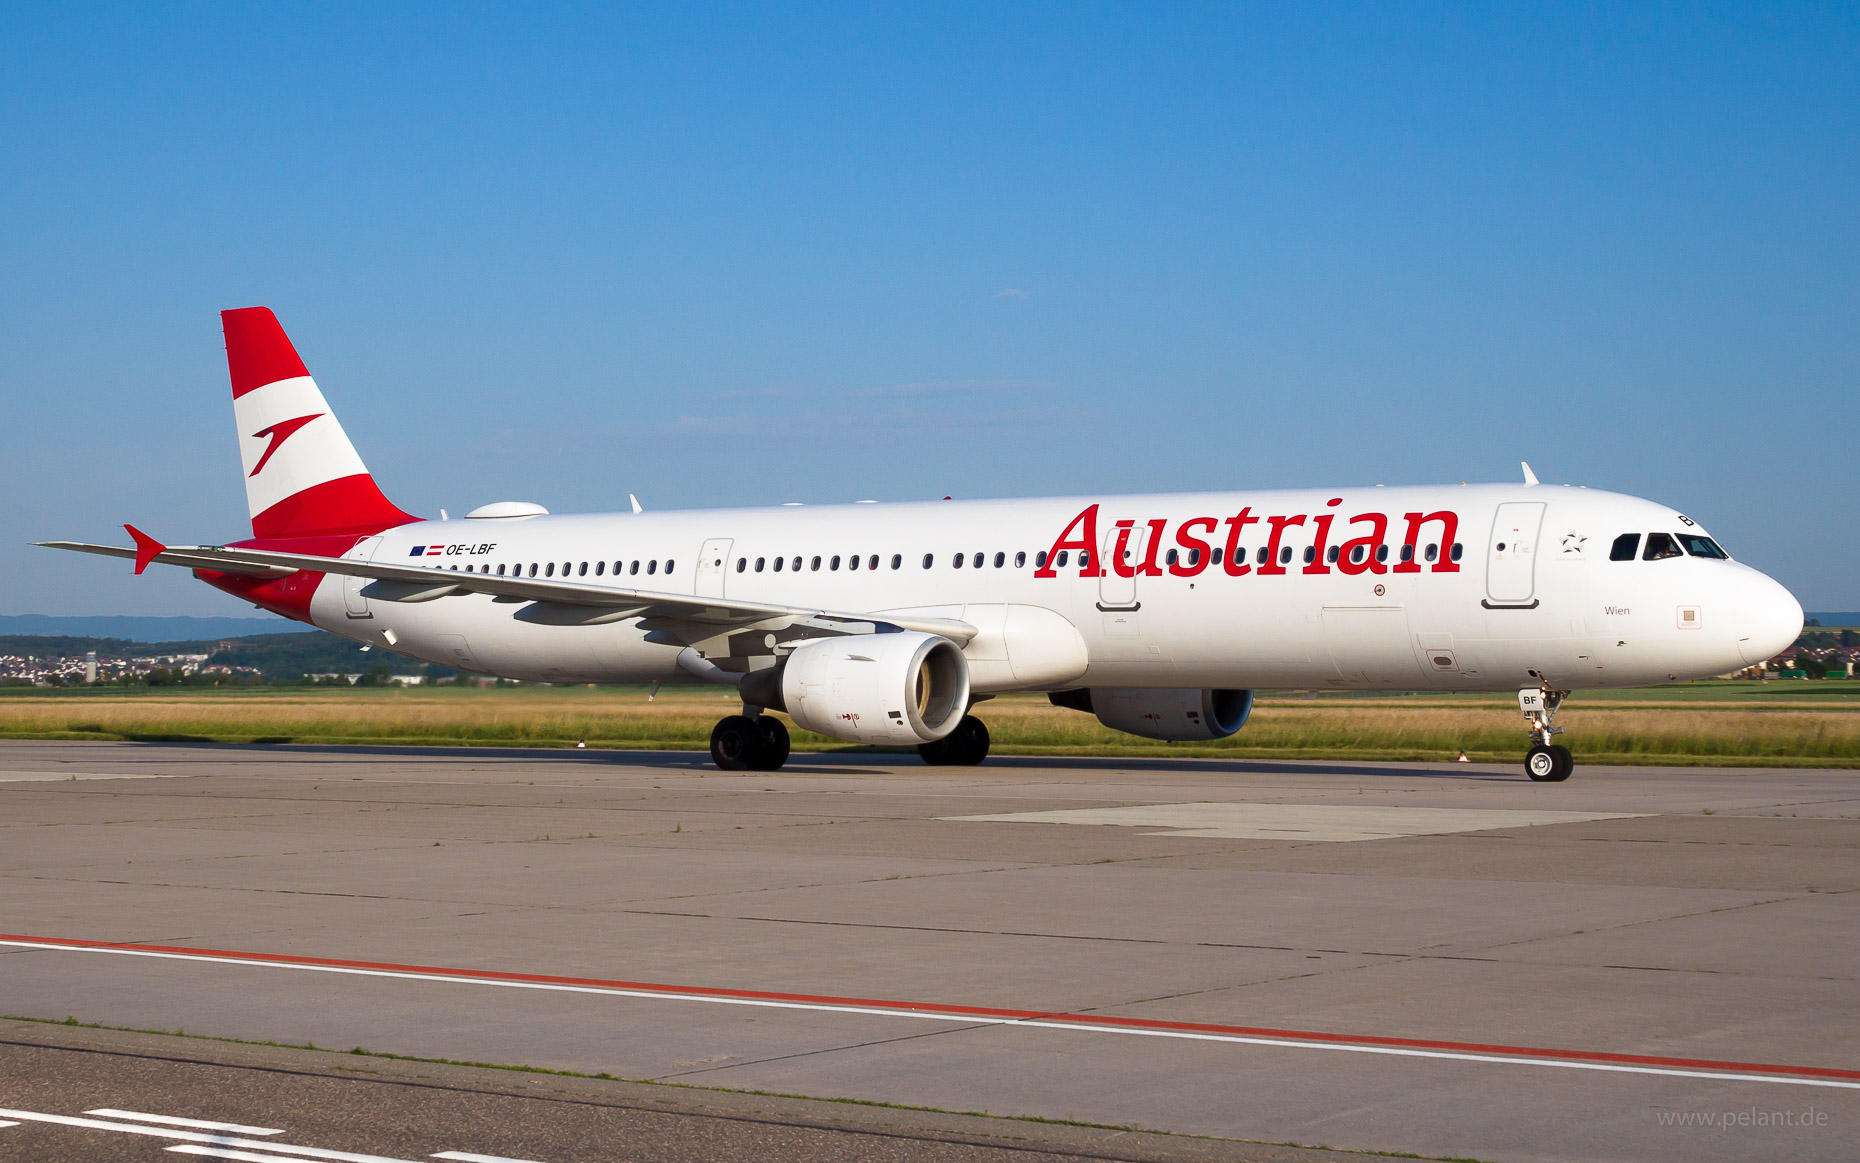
[1642, 963]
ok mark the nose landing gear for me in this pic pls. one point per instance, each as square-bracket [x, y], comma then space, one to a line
[1545, 762]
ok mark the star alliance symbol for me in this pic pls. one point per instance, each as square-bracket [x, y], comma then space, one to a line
[1572, 543]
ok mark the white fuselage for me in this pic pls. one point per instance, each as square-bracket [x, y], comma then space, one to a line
[1533, 597]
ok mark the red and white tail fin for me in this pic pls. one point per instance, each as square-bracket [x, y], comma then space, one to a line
[302, 476]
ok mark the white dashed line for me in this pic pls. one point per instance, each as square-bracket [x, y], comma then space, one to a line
[177, 1121]
[243, 1156]
[280, 1150]
[468, 1157]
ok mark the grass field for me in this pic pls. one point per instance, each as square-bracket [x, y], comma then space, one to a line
[1779, 724]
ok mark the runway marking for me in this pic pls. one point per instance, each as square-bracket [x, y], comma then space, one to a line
[1598, 1060]
[176, 1121]
[1341, 823]
[242, 1156]
[278, 1150]
[468, 1157]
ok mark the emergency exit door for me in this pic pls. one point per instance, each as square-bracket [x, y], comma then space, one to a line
[712, 567]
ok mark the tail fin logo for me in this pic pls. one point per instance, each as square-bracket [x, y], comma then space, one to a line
[279, 433]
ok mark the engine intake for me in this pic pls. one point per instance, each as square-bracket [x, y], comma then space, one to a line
[876, 688]
[1175, 715]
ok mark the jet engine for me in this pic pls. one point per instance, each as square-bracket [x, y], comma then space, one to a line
[905, 688]
[1172, 714]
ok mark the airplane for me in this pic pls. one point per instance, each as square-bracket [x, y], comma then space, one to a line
[889, 623]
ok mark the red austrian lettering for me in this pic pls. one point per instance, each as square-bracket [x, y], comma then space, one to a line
[1358, 555]
[1449, 529]
[1194, 557]
[1322, 521]
[1086, 525]
[1278, 526]
[1233, 561]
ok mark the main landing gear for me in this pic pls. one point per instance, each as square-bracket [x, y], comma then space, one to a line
[966, 746]
[749, 743]
[1545, 762]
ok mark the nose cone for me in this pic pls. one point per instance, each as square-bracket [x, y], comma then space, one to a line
[1769, 619]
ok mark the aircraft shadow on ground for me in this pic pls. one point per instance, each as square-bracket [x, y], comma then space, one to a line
[862, 763]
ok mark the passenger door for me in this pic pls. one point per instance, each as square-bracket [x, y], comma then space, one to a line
[712, 567]
[1511, 555]
[1115, 592]
[354, 601]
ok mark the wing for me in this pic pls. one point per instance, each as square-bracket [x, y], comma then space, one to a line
[682, 619]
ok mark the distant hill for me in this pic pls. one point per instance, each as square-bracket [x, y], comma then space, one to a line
[1835, 618]
[276, 656]
[178, 629]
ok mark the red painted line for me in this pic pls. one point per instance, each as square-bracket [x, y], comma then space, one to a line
[1319, 1037]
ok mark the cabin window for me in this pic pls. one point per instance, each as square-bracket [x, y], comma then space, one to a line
[1039, 559]
[532, 569]
[500, 571]
[778, 562]
[795, 565]
[928, 559]
[742, 563]
[815, 564]
[1433, 552]
[550, 572]
[1063, 554]
[1285, 556]
[1625, 547]
[1170, 557]
[1000, 560]
[872, 562]
[600, 567]
[633, 568]
[1020, 560]
[1238, 554]
[835, 564]
[1310, 554]
[1382, 553]
[979, 558]
[1407, 553]
[1660, 546]
[1457, 549]
[652, 566]
[668, 565]
[1260, 557]
[960, 558]
[1084, 558]
[1194, 557]
[852, 562]
[760, 562]
[1331, 555]
[897, 561]
[1699, 545]
[583, 571]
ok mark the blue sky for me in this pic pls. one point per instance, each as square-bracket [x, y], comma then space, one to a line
[742, 255]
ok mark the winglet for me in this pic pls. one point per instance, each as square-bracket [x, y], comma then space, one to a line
[1530, 478]
[635, 501]
[146, 547]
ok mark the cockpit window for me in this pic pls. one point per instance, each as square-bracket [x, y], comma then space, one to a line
[1626, 546]
[1699, 545]
[1661, 545]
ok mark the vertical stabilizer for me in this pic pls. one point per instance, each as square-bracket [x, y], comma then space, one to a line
[302, 476]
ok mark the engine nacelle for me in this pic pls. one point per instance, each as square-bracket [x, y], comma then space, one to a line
[1171, 714]
[877, 688]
